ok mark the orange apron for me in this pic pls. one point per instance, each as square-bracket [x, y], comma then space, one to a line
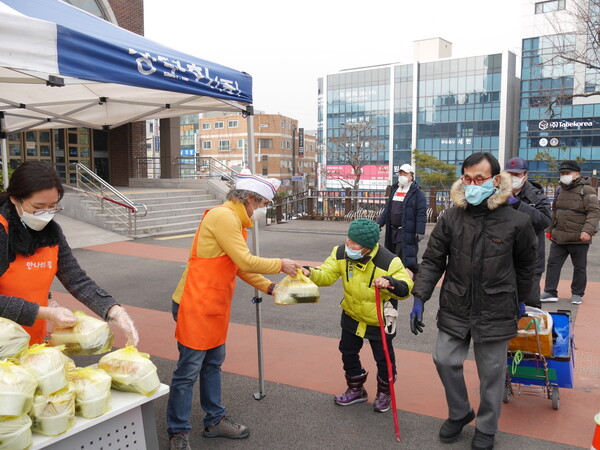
[205, 305]
[30, 278]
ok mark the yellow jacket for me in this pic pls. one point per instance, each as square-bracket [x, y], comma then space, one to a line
[221, 234]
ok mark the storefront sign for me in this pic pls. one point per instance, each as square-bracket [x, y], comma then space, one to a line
[565, 124]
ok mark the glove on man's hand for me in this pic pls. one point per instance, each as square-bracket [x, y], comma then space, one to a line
[118, 316]
[416, 316]
[513, 200]
[522, 310]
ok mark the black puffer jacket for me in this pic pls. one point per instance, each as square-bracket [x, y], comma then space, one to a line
[536, 205]
[575, 209]
[488, 255]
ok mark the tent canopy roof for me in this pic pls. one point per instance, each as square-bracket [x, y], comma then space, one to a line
[62, 67]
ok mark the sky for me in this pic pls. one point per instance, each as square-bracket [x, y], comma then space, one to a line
[287, 46]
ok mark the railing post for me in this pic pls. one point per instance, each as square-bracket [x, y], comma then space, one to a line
[433, 204]
[348, 201]
[310, 208]
[278, 212]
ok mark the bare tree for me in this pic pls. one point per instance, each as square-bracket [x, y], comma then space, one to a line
[575, 44]
[353, 148]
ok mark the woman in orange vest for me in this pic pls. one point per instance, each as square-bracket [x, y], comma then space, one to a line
[33, 249]
[202, 303]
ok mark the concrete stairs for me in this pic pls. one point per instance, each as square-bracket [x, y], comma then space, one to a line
[170, 211]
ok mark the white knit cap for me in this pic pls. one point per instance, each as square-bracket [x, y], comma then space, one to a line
[267, 187]
[406, 168]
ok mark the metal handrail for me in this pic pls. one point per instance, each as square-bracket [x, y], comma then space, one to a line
[189, 167]
[124, 211]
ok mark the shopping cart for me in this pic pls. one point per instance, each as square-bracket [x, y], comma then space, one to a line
[529, 370]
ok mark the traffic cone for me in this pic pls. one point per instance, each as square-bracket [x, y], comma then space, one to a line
[596, 440]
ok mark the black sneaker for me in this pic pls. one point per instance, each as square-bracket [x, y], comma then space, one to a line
[482, 441]
[227, 428]
[451, 429]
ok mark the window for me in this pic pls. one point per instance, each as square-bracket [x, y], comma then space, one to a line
[219, 125]
[241, 143]
[206, 126]
[283, 124]
[232, 124]
[265, 143]
[546, 7]
[206, 145]
[224, 145]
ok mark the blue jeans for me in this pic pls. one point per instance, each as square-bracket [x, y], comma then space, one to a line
[194, 364]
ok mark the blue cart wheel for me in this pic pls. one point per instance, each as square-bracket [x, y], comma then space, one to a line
[555, 398]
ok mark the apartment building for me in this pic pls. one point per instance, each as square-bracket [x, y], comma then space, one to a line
[282, 149]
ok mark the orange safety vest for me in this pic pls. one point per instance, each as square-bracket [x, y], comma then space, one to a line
[205, 305]
[30, 278]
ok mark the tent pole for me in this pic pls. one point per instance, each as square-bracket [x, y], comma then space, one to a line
[255, 250]
[3, 136]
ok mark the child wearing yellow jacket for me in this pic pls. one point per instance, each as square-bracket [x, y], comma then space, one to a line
[363, 266]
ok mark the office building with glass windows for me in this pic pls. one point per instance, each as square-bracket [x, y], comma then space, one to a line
[443, 106]
[571, 128]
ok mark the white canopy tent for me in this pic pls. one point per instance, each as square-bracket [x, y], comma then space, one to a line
[62, 67]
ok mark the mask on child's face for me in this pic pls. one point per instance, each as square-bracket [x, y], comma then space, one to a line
[353, 254]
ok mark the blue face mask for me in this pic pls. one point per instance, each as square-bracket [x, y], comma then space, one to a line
[476, 194]
[353, 254]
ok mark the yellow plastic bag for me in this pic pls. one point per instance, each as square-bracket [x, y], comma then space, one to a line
[53, 414]
[17, 387]
[130, 370]
[89, 336]
[13, 338]
[294, 290]
[48, 365]
[92, 389]
[15, 432]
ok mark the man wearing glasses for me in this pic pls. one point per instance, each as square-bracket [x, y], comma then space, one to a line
[486, 251]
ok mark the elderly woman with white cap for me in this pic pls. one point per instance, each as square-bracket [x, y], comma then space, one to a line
[404, 218]
[202, 304]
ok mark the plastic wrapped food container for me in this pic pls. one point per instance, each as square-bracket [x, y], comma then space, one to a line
[130, 370]
[89, 336]
[15, 432]
[47, 365]
[17, 387]
[294, 290]
[55, 413]
[13, 338]
[92, 388]
[90, 409]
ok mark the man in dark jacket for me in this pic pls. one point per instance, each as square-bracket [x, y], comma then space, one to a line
[404, 217]
[575, 215]
[528, 197]
[487, 253]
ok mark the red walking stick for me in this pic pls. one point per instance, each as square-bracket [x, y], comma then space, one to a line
[388, 361]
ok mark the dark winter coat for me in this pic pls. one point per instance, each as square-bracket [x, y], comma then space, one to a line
[536, 205]
[488, 256]
[413, 223]
[22, 240]
[575, 209]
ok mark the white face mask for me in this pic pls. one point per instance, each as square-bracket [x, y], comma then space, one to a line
[402, 180]
[566, 179]
[37, 222]
[259, 215]
[517, 182]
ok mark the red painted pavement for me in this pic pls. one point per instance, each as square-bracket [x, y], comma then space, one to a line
[314, 363]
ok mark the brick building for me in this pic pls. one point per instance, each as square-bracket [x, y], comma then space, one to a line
[278, 148]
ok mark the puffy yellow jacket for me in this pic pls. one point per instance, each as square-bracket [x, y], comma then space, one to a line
[358, 276]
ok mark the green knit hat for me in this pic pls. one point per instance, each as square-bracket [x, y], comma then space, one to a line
[364, 232]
